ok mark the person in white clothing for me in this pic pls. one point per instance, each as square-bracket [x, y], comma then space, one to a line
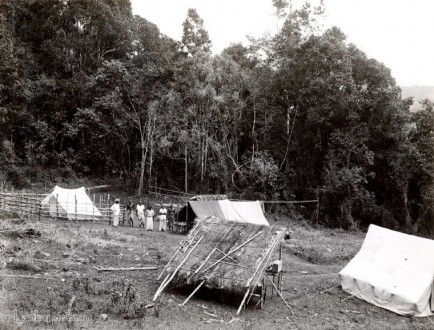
[116, 212]
[140, 210]
[149, 218]
[162, 217]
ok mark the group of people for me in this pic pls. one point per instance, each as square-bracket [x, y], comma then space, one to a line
[146, 217]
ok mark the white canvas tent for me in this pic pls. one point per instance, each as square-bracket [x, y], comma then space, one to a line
[245, 212]
[394, 271]
[73, 204]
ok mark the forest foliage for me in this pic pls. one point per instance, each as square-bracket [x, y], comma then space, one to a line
[88, 88]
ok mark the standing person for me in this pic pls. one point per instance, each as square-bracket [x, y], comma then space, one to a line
[140, 211]
[149, 218]
[130, 213]
[171, 217]
[116, 209]
[162, 215]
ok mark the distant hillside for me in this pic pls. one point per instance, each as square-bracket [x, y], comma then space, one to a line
[418, 93]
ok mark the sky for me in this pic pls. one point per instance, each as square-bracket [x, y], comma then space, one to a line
[398, 33]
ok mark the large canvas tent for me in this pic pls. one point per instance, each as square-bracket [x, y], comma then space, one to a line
[394, 271]
[243, 212]
[73, 204]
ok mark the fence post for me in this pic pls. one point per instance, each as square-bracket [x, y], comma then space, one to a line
[93, 208]
[75, 208]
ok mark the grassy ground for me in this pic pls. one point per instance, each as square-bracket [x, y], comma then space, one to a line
[48, 281]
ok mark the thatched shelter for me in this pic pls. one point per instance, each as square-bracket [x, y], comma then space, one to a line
[223, 255]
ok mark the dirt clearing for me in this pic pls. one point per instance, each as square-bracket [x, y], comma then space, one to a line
[49, 280]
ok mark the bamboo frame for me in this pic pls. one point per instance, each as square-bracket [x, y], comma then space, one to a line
[192, 294]
[174, 256]
[264, 264]
[210, 254]
[163, 285]
[232, 251]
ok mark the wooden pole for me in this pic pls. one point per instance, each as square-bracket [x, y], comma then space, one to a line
[280, 295]
[279, 277]
[210, 254]
[174, 256]
[192, 294]
[226, 255]
[232, 251]
[243, 301]
[264, 264]
[162, 287]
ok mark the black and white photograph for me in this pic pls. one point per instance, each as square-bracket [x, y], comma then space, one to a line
[216, 164]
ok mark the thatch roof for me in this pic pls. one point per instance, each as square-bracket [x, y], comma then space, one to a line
[201, 258]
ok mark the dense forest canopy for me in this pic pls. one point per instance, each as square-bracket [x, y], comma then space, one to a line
[88, 88]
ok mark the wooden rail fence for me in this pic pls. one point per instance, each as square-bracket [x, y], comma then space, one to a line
[30, 204]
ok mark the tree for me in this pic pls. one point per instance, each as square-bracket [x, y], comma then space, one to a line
[195, 38]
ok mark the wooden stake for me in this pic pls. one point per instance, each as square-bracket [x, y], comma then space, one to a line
[289, 307]
[191, 295]
[163, 285]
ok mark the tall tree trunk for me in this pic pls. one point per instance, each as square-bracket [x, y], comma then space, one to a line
[144, 150]
[142, 171]
[253, 132]
[186, 169]
[407, 211]
[151, 152]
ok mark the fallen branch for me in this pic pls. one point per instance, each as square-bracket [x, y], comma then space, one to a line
[342, 300]
[329, 289]
[29, 276]
[71, 302]
[111, 269]
[210, 314]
